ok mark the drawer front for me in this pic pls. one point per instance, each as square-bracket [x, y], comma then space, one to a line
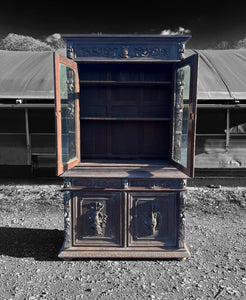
[126, 183]
[97, 219]
[152, 219]
[97, 183]
[156, 183]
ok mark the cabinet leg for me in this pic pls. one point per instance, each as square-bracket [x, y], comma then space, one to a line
[183, 259]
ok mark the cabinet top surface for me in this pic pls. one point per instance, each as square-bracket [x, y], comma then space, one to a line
[126, 169]
[181, 38]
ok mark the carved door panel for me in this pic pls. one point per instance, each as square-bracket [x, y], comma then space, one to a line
[153, 219]
[184, 114]
[97, 219]
[67, 113]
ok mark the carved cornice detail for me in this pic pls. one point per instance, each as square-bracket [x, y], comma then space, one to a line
[126, 47]
[123, 51]
[181, 50]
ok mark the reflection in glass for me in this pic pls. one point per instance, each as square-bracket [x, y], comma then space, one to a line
[180, 115]
[67, 90]
[241, 128]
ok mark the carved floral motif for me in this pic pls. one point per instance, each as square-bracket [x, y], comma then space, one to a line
[178, 114]
[70, 52]
[97, 218]
[151, 52]
[181, 220]
[67, 220]
[151, 220]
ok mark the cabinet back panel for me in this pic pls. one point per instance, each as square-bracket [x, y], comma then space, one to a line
[125, 72]
[125, 91]
[125, 139]
[148, 101]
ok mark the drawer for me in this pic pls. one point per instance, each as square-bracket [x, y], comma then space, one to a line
[156, 183]
[97, 183]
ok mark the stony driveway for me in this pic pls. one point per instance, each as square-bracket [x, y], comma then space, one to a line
[31, 234]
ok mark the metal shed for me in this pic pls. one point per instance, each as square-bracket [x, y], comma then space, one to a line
[221, 120]
[27, 129]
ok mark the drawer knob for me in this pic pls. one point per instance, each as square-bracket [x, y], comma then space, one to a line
[125, 183]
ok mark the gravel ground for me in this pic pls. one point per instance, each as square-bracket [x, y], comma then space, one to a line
[31, 234]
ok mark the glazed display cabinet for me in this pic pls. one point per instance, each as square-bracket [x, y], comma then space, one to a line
[125, 120]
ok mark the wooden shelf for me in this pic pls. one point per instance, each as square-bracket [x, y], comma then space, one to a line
[211, 134]
[123, 83]
[123, 119]
[221, 134]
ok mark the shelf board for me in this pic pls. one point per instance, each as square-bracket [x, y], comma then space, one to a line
[123, 83]
[211, 134]
[123, 119]
[220, 134]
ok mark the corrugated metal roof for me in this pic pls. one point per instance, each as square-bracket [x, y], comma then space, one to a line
[26, 74]
[221, 74]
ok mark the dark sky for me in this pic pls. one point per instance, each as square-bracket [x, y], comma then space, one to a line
[209, 22]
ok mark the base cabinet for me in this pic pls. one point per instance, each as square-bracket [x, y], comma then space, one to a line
[148, 224]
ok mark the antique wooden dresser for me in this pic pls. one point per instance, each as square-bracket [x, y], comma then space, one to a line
[125, 119]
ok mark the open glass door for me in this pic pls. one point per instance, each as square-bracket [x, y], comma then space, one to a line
[67, 113]
[184, 114]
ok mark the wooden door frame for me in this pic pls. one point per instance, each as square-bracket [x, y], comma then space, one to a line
[61, 60]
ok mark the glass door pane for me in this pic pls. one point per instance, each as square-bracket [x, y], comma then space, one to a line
[67, 113]
[184, 110]
[180, 115]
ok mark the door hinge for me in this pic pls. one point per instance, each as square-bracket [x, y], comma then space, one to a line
[192, 116]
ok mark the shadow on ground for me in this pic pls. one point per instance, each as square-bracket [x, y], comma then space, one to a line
[41, 244]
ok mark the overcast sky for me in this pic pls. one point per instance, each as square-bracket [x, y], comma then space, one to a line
[208, 22]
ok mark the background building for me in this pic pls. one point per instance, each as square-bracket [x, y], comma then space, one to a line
[27, 126]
